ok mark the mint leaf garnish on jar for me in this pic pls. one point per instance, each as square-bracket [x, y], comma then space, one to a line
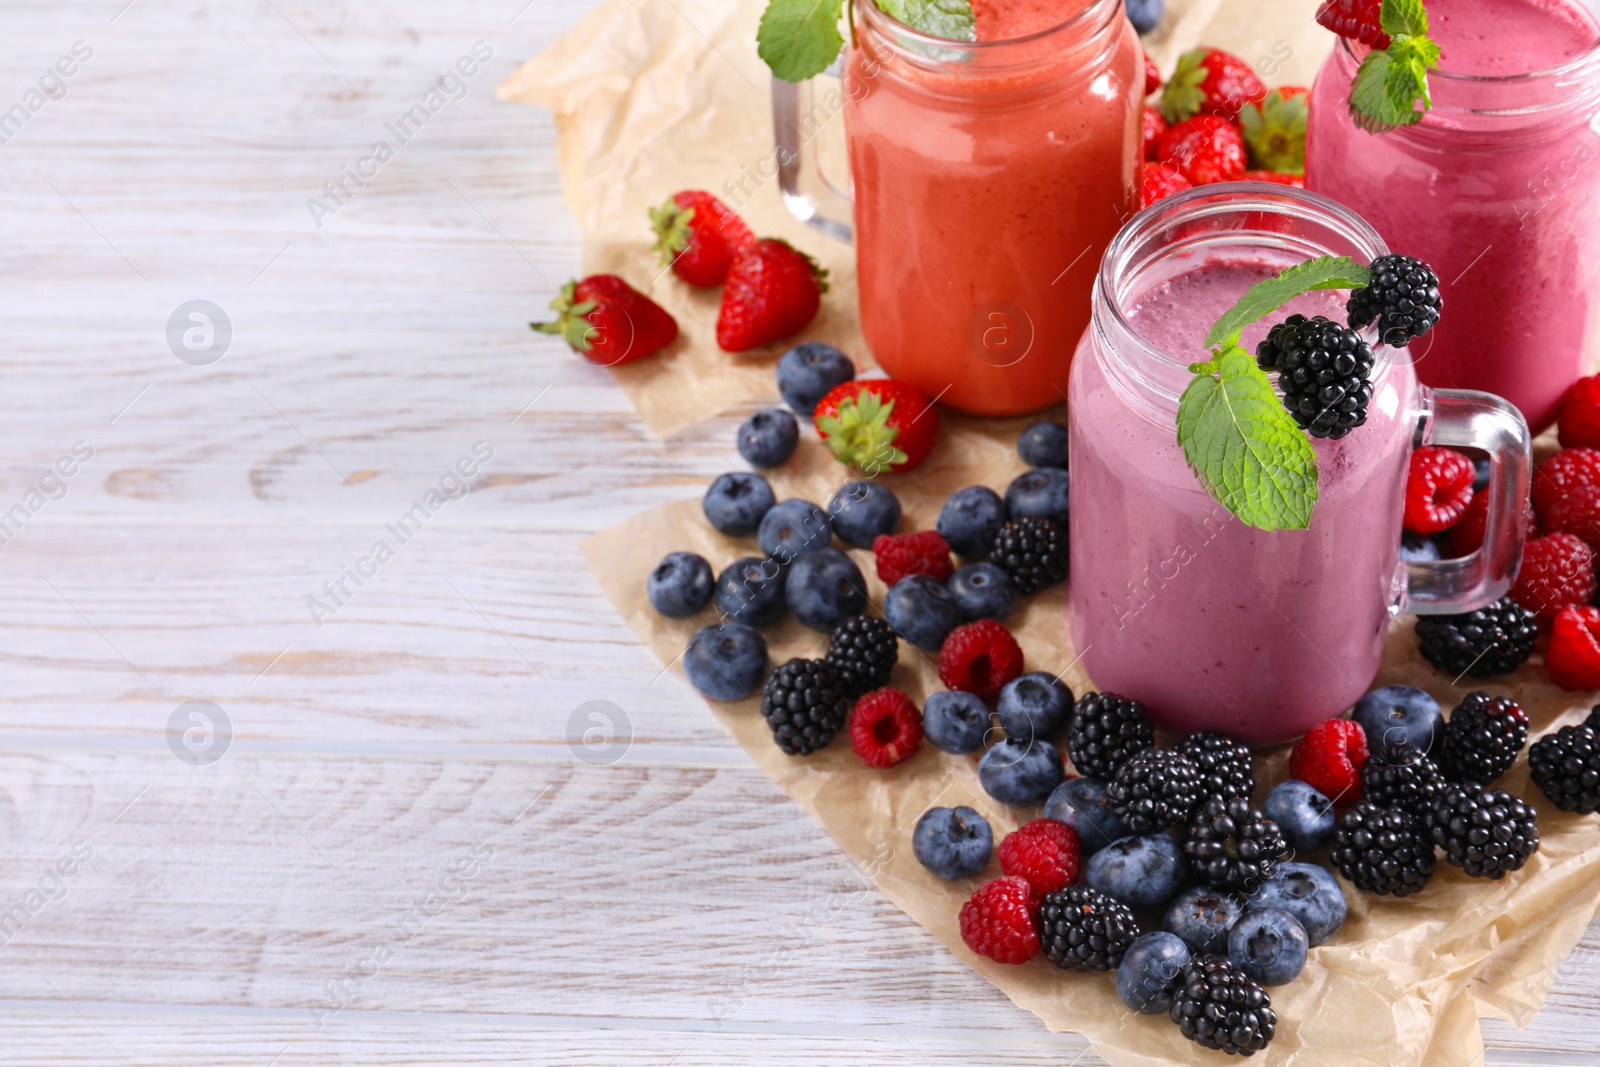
[799, 39]
[1391, 82]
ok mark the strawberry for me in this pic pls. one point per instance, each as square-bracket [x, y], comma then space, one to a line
[1355, 19]
[608, 322]
[1160, 180]
[1275, 130]
[772, 291]
[1276, 176]
[1154, 127]
[699, 236]
[1205, 149]
[1209, 81]
[877, 424]
[1152, 73]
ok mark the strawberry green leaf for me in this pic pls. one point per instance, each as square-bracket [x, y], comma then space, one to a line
[862, 435]
[1270, 294]
[1275, 132]
[798, 39]
[942, 18]
[1182, 96]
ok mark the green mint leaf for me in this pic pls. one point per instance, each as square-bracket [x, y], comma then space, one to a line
[798, 39]
[1244, 446]
[1406, 17]
[942, 18]
[1270, 294]
[1389, 84]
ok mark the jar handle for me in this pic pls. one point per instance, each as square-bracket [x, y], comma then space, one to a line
[1466, 418]
[797, 116]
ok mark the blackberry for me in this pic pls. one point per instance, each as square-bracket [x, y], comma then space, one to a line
[1081, 929]
[1106, 731]
[1217, 1006]
[1565, 765]
[1153, 790]
[1232, 845]
[1224, 764]
[804, 704]
[1485, 832]
[1412, 787]
[1382, 850]
[1403, 296]
[1493, 640]
[862, 652]
[1593, 721]
[1323, 369]
[1032, 552]
[1482, 738]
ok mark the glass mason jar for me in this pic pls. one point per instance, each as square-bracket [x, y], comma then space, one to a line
[1498, 188]
[986, 180]
[1214, 624]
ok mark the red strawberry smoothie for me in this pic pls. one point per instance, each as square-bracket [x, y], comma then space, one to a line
[1212, 623]
[1498, 188]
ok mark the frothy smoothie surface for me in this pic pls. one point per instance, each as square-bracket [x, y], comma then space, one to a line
[1506, 37]
[1004, 20]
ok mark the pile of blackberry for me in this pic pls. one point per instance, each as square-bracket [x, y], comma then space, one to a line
[804, 704]
[1032, 552]
[1217, 1006]
[1224, 764]
[1485, 832]
[1106, 731]
[1323, 370]
[1403, 296]
[1154, 790]
[862, 653]
[1412, 786]
[1482, 738]
[1490, 641]
[1232, 845]
[1084, 930]
[1565, 766]
[1382, 850]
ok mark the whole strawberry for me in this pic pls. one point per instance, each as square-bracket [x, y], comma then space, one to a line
[1152, 73]
[1275, 130]
[1355, 19]
[1205, 149]
[699, 236]
[1209, 81]
[1158, 181]
[608, 322]
[1274, 177]
[772, 290]
[877, 425]
[1153, 127]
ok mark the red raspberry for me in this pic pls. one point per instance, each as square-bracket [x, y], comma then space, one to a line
[1573, 658]
[1557, 572]
[1578, 417]
[1578, 513]
[998, 921]
[980, 657]
[1043, 852]
[1329, 759]
[902, 555]
[885, 727]
[1154, 127]
[1466, 536]
[1560, 475]
[1438, 489]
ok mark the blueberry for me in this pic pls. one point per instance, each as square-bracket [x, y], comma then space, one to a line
[736, 502]
[952, 842]
[1081, 803]
[768, 437]
[750, 591]
[1269, 945]
[970, 519]
[955, 721]
[825, 588]
[807, 371]
[1303, 814]
[1142, 872]
[1148, 974]
[792, 528]
[726, 661]
[1480, 473]
[1044, 444]
[1202, 916]
[1144, 14]
[1415, 548]
[983, 591]
[680, 585]
[922, 611]
[1308, 892]
[1041, 494]
[1035, 705]
[1020, 775]
[1399, 721]
[863, 510]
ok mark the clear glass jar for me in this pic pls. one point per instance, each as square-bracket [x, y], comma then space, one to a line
[1212, 623]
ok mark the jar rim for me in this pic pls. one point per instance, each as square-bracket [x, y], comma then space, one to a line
[903, 32]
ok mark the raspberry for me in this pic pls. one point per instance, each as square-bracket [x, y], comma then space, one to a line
[885, 728]
[998, 921]
[1578, 417]
[1329, 759]
[980, 657]
[1438, 489]
[1573, 658]
[1466, 536]
[1044, 853]
[1557, 572]
[902, 555]
[1560, 474]
[1578, 512]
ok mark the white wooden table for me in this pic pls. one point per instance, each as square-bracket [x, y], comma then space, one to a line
[398, 856]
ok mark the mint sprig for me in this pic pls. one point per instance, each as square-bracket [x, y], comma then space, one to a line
[799, 39]
[1270, 294]
[1391, 82]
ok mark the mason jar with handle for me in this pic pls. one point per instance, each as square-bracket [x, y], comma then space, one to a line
[986, 178]
[1214, 624]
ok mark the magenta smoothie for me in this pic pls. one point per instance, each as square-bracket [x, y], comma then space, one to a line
[1498, 187]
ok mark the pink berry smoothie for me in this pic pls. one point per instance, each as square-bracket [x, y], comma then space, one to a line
[1209, 622]
[1498, 187]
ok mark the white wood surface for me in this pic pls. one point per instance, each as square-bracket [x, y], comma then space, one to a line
[672, 908]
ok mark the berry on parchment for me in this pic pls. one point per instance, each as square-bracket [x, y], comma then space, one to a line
[698, 236]
[1578, 417]
[1490, 641]
[1218, 1006]
[1438, 489]
[997, 921]
[1032, 552]
[1105, 732]
[1224, 764]
[608, 322]
[1231, 845]
[1565, 766]
[772, 290]
[877, 425]
[1557, 572]
[1154, 790]
[1043, 852]
[1382, 850]
[1482, 738]
[902, 555]
[1329, 759]
[862, 652]
[804, 705]
[980, 657]
[1573, 658]
[1559, 475]
[885, 728]
[1577, 512]
[1485, 832]
[1081, 929]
